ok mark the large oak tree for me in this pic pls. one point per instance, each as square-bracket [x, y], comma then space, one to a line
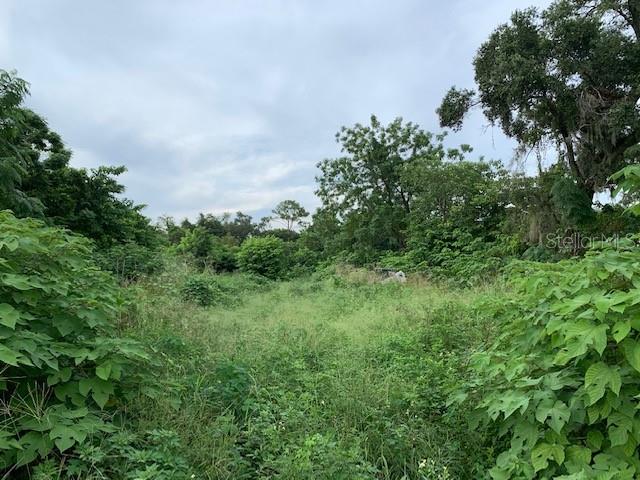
[568, 76]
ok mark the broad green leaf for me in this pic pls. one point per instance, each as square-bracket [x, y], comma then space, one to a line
[597, 377]
[9, 356]
[33, 444]
[525, 436]
[8, 315]
[17, 281]
[104, 370]
[100, 389]
[620, 427]
[631, 350]
[578, 455]
[595, 439]
[621, 329]
[543, 452]
[65, 436]
[10, 242]
[556, 412]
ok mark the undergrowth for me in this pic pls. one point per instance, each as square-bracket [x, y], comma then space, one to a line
[330, 377]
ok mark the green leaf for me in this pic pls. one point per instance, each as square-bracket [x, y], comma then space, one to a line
[8, 315]
[508, 403]
[65, 436]
[579, 455]
[10, 242]
[33, 444]
[595, 439]
[557, 413]
[631, 350]
[543, 452]
[104, 370]
[621, 329]
[9, 356]
[19, 282]
[597, 377]
[100, 389]
[620, 427]
[8, 441]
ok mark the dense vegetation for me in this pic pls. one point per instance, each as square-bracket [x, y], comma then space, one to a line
[225, 348]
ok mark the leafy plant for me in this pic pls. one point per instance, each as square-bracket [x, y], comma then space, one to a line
[562, 381]
[62, 364]
[262, 256]
[208, 250]
[148, 455]
[130, 261]
[629, 183]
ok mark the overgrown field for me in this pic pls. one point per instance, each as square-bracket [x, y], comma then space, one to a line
[331, 377]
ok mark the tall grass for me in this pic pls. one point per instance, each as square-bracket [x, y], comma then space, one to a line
[334, 377]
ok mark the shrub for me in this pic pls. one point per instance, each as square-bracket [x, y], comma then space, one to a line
[130, 261]
[199, 290]
[208, 250]
[149, 455]
[222, 257]
[62, 363]
[207, 289]
[562, 381]
[263, 256]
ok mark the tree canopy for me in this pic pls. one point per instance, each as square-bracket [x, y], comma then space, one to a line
[567, 77]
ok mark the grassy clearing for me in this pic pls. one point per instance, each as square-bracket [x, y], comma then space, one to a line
[330, 377]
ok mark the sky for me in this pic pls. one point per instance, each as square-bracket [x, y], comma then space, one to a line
[220, 106]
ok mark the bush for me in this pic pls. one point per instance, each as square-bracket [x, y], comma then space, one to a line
[62, 363]
[198, 289]
[150, 455]
[262, 256]
[208, 251]
[562, 382]
[206, 289]
[130, 261]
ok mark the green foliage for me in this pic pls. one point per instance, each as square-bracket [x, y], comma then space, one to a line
[37, 180]
[130, 261]
[13, 164]
[206, 289]
[454, 107]
[572, 202]
[263, 256]
[565, 76]
[208, 250]
[563, 378]
[290, 212]
[317, 378]
[150, 455]
[364, 188]
[629, 184]
[199, 290]
[62, 362]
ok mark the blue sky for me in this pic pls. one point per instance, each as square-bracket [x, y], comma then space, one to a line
[222, 106]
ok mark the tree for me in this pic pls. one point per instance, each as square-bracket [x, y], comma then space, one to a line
[240, 227]
[290, 212]
[36, 179]
[364, 188]
[566, 76]
[211, 224]
[173, 232]
[13, 148]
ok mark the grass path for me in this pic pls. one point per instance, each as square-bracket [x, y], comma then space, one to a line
[315, 379]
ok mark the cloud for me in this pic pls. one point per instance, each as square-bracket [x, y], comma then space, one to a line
[223, 106]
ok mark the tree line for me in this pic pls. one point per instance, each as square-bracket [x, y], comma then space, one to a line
[562, 81]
